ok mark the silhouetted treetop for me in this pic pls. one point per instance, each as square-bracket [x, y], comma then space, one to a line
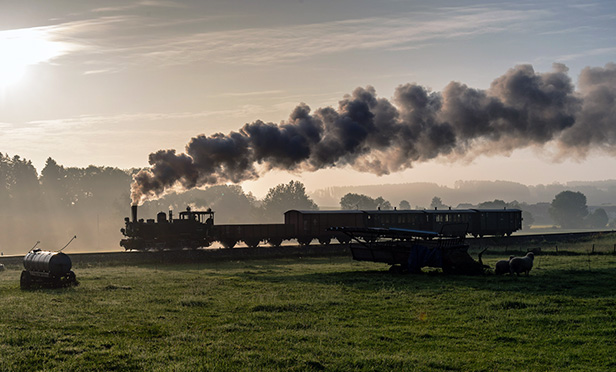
[283, 197]
[569, 208]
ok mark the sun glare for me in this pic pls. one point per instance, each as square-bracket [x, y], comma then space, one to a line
[22, 48]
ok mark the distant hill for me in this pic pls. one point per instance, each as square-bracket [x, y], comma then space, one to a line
[420, 194]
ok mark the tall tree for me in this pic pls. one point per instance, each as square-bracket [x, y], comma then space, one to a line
[404, 204]
[54, 183]
[357, 201]
[569, 208]
[5, 168]
[283, 197]
[24, 184]
[364, 202]
[382, 203]
[496, 204]
[598, 219]
[437, 202]
[527, 219]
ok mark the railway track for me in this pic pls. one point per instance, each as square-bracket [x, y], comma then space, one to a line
[196, 255]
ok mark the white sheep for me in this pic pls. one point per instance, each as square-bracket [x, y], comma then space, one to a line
[502, 266]
[519, 265]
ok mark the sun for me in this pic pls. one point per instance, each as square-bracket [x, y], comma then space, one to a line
[21, 48]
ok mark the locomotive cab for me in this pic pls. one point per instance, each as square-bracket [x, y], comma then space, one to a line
[206, 217]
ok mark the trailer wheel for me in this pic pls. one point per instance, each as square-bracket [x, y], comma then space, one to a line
[71, 278]
[25, 282]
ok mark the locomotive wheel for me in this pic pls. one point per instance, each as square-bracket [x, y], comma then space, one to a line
[252, 243]
[229, 243]
[325, 241]
[25, 282]
[275, 242]
[304, 241]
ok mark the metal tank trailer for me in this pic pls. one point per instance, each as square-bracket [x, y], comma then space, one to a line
[47, 269]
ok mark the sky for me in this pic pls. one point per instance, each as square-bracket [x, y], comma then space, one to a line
[110, 82]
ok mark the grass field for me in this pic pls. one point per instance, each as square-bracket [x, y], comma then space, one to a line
[314, 314]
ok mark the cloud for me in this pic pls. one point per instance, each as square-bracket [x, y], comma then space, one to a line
[588, 52]
[126, 40]
[139, 5]
[248, 94]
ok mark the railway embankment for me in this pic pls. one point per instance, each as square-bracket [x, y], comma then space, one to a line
[510, 244]
[197, 255]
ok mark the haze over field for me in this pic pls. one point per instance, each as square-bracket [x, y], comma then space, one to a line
[398, 91]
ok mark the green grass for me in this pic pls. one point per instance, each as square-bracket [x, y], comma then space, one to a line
[314, 314]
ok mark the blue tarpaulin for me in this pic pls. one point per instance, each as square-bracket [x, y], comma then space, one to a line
[421, 256]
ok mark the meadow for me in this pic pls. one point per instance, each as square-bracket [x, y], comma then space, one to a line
[315, 314]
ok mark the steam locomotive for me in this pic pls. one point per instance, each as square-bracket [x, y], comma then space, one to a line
[196, 229]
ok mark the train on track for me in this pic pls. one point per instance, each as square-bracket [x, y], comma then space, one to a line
[196, 229]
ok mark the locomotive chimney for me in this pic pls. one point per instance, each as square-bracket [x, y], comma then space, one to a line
[134, 212]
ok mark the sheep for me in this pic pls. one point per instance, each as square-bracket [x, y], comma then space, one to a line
[502, 266]
[521, 264]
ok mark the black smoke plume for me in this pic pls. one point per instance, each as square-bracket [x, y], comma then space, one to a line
[522, 108]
